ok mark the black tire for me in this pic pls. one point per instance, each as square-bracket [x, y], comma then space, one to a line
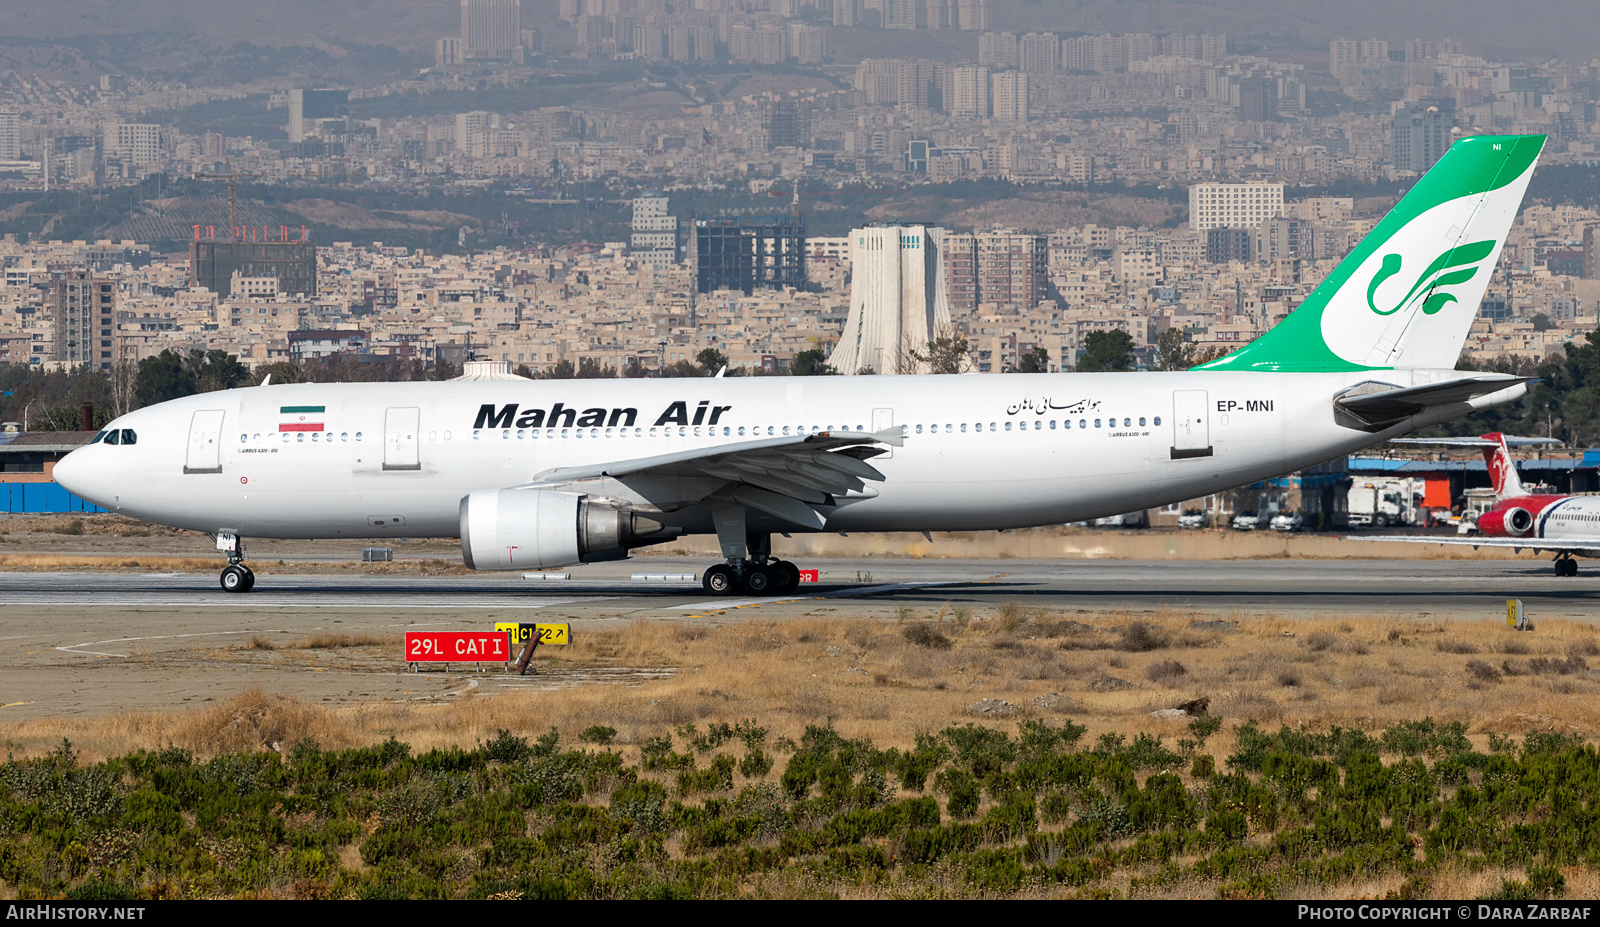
[235, 580]
[759, 580]
[1380, 521]
[785, 577]
[249, 577]
[719, 580]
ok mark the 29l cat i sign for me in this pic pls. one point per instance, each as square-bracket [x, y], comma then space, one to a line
[456, 647]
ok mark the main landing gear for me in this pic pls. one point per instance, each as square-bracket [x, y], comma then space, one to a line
[236, 577]
[1565, 565]
[769, 577]
[751, 567]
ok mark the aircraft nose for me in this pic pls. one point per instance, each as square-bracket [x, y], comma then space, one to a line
[70, 472]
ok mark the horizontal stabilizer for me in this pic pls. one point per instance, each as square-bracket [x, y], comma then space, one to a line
[1511, 441]
[1378, 407]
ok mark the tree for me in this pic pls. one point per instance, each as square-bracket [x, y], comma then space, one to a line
[591, 369]
[563, 370]
[1034, 361]
[281, 372]
[711, 359]
[1106, 350]
[947, 352]
[1173, 350]
[163, 377]
[214, 370]
[811, 363]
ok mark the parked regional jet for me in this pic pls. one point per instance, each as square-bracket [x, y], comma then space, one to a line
[536, 474]
[1567, 525]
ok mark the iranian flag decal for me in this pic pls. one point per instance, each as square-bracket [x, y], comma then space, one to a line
[302, 416]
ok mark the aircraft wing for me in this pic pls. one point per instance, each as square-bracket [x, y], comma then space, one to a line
[1518, 544]
[782, 476]
[1392, 405]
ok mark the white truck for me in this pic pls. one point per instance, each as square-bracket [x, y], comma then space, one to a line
[1380, 503]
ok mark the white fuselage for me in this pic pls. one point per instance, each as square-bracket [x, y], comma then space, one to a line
[980, 452]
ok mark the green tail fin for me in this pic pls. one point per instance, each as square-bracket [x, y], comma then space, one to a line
[1406, 296]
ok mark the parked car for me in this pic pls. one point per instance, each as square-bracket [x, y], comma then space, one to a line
[1139, 519]
[1246, 521]
[1194, 518]
[1288, 521]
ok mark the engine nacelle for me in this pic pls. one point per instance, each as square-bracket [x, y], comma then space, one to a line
[1514, 522]
[528, 529]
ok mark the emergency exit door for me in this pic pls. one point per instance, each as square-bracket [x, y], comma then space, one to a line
[1191, 424]
[400, 439]
[205, 443]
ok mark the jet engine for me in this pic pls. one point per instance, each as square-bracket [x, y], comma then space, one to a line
[528, 529]
[1514, 522]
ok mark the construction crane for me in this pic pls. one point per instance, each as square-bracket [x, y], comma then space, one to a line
[232, 177]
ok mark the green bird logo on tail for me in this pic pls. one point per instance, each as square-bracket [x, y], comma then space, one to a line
[1456, 265]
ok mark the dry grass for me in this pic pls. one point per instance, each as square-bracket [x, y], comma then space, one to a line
[871, 679]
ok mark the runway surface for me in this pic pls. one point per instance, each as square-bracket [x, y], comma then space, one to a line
[96, 643]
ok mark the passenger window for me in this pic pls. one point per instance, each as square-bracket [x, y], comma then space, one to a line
[112, 437]
[1157, 420]
[1127, 422]
[919, 429]
[1141, 421]
[1008, 426]
[129, 436]
[1052, 424]
[1097, 423]
[358, 435]
[963, 427]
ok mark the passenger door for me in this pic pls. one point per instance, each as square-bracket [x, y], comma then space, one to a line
[881, 419]
[1191, 424]
[205, 442]
[400, 439]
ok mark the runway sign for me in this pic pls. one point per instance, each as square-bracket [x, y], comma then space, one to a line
[456, 647]
[550, 635]
[809, 576]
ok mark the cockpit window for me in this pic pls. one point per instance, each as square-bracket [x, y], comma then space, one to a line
[129, 437]
[112, 437]
[98, 438]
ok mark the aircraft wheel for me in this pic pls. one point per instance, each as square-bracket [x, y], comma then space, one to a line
[249, 577]
[759, 580]
[719, 579]
[1566, 568]
[236, 579]
[785, 577]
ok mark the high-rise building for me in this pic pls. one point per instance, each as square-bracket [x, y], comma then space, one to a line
[788, 123]
[897, 299]
[748, 253]
[1233, 205]
[1000, 49]
[969, 92]
[1591, 254]
[309, 108]
[215, 264]
[655, 232]
[84, 309]
[1039, 52]
[471, 129]
[492, 29]
[1002, 268]
[138, 144]
[1420, 137]
[1258, 99]
[10, 136]
[1008, 96]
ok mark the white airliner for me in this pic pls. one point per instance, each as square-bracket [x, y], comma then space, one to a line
[534, 474]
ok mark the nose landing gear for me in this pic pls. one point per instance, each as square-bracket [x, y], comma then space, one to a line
[236, 577]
